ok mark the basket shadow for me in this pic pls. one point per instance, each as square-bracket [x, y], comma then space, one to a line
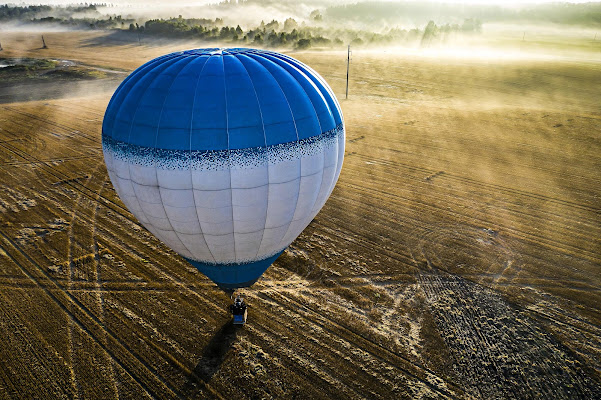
[212, 356]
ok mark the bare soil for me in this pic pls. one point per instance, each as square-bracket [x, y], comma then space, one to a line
[458, 257]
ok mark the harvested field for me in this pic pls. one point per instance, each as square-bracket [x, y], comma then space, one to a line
[458, 257]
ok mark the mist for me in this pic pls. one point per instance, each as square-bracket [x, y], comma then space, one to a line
[468, 30]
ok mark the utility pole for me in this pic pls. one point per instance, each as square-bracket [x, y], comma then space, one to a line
[44, 43]
[348, 61]
[0, 46]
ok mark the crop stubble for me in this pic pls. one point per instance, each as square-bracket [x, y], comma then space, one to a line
[458, 255]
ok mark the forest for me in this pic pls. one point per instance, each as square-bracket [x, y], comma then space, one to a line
[368, 23]
[286, 34]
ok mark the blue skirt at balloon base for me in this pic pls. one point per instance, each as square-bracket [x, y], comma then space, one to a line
[234, 276]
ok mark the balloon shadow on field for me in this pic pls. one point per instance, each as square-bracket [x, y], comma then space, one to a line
[212, 356]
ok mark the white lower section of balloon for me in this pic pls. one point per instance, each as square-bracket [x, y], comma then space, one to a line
[234, 214]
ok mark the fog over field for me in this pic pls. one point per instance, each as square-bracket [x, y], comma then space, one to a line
[459, 255]
[529, 28]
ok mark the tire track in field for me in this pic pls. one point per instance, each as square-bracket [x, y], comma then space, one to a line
[452, 200]
[369, 245]
[71, 267]
[48, 289]
[499, 353]
[84, 153]
[319, 360]
[127, 249]
[46, 121]
[408, 220]
[98, 286]
[131, 250]
[488, 186]
[51, 161]
[70, 305]
[331, 360]
[527, 236]
[362, 342]
[35, 361]
[403, 143]
[108, 287]
[78, 187]
[123, 215]
[66, 180]
[498, 190]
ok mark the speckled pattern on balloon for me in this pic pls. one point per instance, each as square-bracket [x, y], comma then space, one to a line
[238, 261]
[215, 160]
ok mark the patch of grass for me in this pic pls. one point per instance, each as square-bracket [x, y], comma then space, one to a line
[16, 70]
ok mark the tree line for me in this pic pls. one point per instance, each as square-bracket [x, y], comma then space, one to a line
[275, 34]
[290, 34]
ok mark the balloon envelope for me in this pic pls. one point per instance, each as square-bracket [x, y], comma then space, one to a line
[225, 155]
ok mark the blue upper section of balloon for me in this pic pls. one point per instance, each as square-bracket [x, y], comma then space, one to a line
[219, 99]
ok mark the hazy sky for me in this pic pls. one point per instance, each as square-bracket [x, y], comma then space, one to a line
[325, 2]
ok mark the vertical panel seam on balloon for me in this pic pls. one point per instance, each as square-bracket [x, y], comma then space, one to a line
[329, 91]
[190, 159]
[144, 75]
[322, 81]
[297, 138]
[306, 73]
[331, 185]
[320, 129]
[265, 154]
[318, 122]
[229, 159]
[339, 136]
[156, 138]
[130, 132]
[125, 82]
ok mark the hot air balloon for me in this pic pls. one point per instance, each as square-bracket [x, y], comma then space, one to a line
[225, 155]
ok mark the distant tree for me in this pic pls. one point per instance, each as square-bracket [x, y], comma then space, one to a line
[225, 32]
[430, 32]
[472, 25]
[290, 24]
[316, 15]
[357, 41]
[275, 25]
[283, 40]
[303, 44]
